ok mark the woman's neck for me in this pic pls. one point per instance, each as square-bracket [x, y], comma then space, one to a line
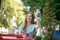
[27, 26]
[28, 23]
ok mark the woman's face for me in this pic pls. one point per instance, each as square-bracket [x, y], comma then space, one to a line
[29, 17]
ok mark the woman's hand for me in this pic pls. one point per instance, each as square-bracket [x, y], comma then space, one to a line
[36, 12]
[26, 35]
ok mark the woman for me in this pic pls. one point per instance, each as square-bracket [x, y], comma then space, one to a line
[28, 26]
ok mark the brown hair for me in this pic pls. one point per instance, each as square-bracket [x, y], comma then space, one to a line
[32, 21]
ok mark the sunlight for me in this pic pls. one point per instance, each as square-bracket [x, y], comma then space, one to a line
[18, 1]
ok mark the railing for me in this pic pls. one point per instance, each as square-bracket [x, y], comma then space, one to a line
[12, 37]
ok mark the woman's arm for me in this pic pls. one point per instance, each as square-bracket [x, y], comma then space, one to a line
[37, 23]
[37, 19]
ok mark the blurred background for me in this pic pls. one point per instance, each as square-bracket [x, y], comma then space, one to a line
[12, 14]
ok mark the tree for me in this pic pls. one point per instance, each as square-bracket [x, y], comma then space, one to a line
[57, 6]
[34, 4]
[10, 8]
[48, 18]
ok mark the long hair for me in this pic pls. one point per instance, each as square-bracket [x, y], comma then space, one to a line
[32, 21]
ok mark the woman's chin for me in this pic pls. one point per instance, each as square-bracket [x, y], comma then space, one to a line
[28, 21]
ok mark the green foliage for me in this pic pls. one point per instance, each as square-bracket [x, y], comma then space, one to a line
[0, 3]
[4, 22]
[38, 38]
[34, 4]
[48, 36]
[57, 6]
[48, 12]
[10, 8]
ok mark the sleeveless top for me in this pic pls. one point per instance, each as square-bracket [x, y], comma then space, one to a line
[30, 30]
